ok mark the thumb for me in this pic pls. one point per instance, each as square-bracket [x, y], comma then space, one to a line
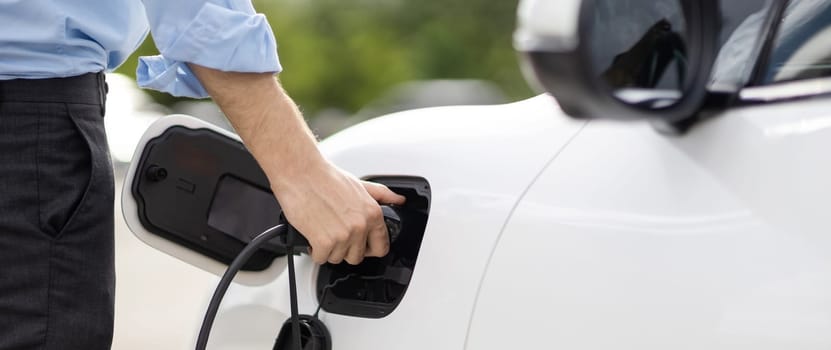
[382, 194]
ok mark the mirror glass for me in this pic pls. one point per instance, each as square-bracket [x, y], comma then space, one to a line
[639, 49]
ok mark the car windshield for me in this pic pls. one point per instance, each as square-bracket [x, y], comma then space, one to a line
[802, 49]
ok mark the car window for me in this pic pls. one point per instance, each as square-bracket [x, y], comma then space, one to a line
[741, 36]
[802, 49]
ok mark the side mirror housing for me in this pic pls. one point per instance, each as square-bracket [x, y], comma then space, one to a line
[613, 59]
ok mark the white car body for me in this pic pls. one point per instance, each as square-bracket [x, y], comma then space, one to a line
[557, 233]
[550, 232]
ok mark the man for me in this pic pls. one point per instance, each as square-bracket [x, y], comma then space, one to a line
[56, 186]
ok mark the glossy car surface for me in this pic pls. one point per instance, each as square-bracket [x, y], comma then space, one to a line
[555, 233]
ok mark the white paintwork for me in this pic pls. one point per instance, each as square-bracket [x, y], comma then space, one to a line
[551, 233]
[719, 239]
[787, 90]
[548, 20]
[479, 161]
[546, 232]
[129, 209]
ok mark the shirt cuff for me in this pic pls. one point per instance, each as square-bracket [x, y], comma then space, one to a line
[217, 38]
[172, 77]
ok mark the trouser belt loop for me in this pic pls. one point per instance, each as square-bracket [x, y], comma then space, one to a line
[103, 88]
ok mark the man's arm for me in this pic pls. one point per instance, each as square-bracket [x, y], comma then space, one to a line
[337, 213]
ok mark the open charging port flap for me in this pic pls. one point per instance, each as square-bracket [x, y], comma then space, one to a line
[195, 192]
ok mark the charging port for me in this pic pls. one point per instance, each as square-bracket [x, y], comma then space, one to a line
[374, 288]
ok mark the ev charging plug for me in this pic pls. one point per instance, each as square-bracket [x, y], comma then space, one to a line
[314, 336]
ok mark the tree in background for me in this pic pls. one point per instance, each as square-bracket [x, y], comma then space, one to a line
[343, 53]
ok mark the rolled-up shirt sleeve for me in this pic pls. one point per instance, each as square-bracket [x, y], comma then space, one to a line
[227, 35]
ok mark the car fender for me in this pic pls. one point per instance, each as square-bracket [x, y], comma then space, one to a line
[479, 160]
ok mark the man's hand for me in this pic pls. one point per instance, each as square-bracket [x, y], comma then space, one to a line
[336, 212]
[343, 213]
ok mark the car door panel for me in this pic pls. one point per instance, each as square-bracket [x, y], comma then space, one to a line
[634, 240]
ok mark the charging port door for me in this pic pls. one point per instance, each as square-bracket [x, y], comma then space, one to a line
[374, 288]
[195, 192]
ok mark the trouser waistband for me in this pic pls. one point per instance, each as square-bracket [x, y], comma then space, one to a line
[90, 88]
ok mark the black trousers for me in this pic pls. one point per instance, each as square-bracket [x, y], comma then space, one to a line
[57, 276]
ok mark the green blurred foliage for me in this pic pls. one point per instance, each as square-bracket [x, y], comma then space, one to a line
[344, 53]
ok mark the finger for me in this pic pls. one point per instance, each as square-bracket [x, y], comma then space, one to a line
[382, 194]
[320, 252]
[356, 253]
[337, 254]
[378, 242]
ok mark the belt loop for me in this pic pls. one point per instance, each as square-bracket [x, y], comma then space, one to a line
[102, 91]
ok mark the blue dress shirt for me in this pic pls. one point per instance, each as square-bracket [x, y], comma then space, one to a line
[59, 38]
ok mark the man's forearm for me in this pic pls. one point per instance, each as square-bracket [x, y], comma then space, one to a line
[337, 213]
[266, 119]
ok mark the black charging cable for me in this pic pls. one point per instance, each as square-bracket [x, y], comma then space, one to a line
[236, 265]
[295, 315]
[292, 239]
[228, 277]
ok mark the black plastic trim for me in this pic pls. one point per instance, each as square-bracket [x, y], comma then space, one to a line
[771, 28]
[176, 206]
[568, 76]
[378, 297]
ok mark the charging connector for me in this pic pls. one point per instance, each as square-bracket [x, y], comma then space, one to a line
[292, 239]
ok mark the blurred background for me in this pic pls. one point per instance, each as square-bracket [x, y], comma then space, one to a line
[344, 62]
[347, 61]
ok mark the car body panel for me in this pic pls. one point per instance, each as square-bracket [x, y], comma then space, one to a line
[550, 232]
[630, 239]
[589, 235]
[479, 160]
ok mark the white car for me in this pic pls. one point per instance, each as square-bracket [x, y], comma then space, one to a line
[699, 219]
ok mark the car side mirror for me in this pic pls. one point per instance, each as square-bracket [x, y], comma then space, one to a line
[194, 191]
[620, 59]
